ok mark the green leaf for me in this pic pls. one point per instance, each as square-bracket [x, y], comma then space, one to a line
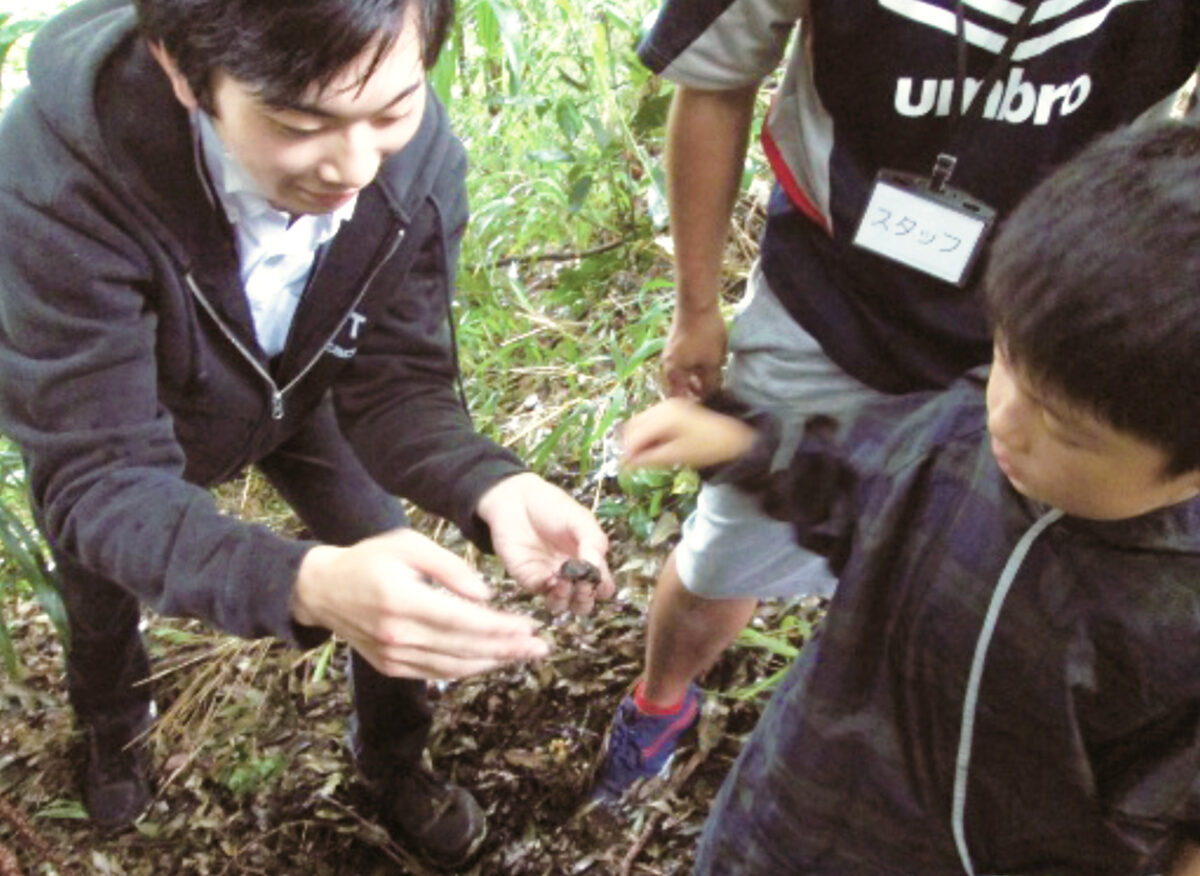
[651, 114]
[752, 638]
[12, 30]
[759, 688]
[614, 409]
[173, 636]
[570, 122]
[603, 136]
[648, 348]
[444, 72]
[612, 509]
[8, 654]
[149, 829]
[656, 199]
[321, 664]
[550, 155]
[578, 193]
[550, 443]
[23, 547]
[487, 27]
[65, 809]
[687, 482]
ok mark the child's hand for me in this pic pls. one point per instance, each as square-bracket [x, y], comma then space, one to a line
[681, 432]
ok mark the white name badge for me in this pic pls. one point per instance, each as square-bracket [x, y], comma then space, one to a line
[938, 233]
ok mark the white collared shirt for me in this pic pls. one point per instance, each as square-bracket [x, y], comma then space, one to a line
[275, 250]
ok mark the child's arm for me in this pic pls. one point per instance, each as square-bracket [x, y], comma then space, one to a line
[682, 432]
[813, 494]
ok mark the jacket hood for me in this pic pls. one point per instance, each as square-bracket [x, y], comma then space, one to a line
[64, 60]
[87, 64]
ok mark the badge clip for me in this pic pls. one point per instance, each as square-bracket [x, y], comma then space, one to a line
[943, 169]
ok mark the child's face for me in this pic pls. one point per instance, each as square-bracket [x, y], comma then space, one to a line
[1056, 453]
[315, 156]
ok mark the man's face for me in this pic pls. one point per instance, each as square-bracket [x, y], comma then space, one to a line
[1054, 452]
[313, 156]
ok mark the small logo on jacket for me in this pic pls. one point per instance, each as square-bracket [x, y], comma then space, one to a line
[354, 322]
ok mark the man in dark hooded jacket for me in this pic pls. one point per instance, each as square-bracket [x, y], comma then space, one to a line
[230, 235]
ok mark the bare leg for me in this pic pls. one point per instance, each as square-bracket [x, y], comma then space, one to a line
[686, 634]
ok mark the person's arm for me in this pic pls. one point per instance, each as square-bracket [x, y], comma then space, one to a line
[79, 392]
[682, 432]
[706, 150]
[399, 406]
[398, 399]
[1185, 859]
[377, 595]
[736, 445]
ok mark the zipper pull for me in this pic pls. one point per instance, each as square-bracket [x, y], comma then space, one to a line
[276, 405]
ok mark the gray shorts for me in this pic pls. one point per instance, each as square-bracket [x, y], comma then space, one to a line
[729, 548]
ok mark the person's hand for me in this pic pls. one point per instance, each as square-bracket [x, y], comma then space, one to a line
[377, 596]
[694, 353]
[681, 432]
[536, 527]
[1186, 861]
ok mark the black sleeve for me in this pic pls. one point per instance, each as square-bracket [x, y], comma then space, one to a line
[79, 392]
[399, 401]
[814, 493]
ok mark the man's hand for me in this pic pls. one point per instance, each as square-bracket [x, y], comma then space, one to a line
[377, 596]
[536, 527]
[694, 352]
[705, 156]
[682, 432]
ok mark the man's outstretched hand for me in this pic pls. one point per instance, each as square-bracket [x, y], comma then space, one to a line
[379, 596]
[547, 540]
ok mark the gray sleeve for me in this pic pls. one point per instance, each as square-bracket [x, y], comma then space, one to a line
[720, 45]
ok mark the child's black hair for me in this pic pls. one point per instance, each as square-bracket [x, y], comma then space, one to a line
[282, 48]
[1093, 285]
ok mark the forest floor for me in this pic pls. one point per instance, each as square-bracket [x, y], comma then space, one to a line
[252, 775]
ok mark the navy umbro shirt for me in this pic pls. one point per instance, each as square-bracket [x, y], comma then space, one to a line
[869, 85]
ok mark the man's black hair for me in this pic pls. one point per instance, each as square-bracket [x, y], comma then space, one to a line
[1094, 285]
[282, 48]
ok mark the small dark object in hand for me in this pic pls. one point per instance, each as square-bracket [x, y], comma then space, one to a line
[579, 570]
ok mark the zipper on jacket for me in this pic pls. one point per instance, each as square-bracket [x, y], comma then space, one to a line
[277, 392]
[966, 733]
[378, 266]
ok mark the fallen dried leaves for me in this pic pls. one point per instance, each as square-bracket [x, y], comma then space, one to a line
[260, 783]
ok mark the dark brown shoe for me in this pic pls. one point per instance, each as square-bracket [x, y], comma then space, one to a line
[435, 819]
[116, 781]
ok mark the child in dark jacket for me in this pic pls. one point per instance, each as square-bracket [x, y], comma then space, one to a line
[1006, 681]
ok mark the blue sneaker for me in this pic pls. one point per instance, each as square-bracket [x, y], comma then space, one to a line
[640, 746]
